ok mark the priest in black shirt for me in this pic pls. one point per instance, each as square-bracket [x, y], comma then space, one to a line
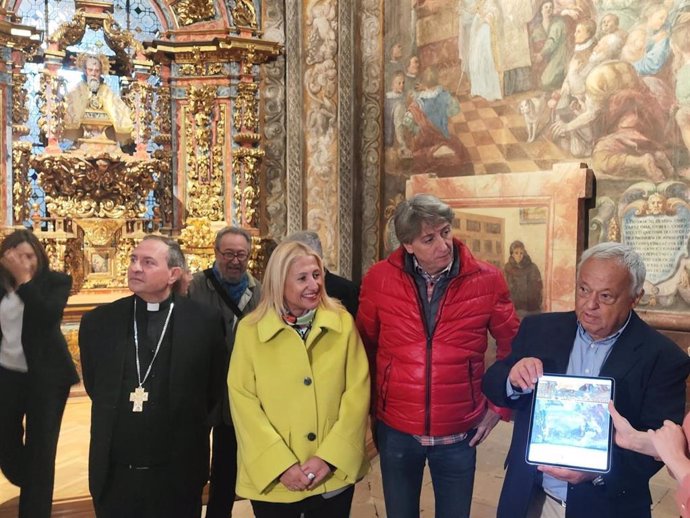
[153, 367]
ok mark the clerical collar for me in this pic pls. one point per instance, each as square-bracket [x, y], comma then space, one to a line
[156, 306]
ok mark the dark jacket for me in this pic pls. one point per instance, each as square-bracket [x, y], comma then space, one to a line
[196, 376]
[649, 372]
[202, 290]
[430, 384]
[344, 290]
[47, 357]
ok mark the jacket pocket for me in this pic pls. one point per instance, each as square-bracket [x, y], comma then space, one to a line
[470, 377]
[384, 384]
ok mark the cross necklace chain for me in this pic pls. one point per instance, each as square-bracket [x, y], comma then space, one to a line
[139, 395]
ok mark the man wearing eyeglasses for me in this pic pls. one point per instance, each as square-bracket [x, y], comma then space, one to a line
[228, 286]
[604, 336]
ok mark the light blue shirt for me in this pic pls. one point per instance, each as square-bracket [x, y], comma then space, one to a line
[586, 359]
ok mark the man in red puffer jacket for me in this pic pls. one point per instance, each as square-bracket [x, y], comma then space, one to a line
[424, 315]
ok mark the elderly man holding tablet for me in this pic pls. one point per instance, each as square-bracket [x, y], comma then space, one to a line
[602, 337]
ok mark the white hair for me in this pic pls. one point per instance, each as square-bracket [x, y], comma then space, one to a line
[626, 257]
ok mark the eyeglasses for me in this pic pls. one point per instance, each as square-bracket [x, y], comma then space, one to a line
[229, 255]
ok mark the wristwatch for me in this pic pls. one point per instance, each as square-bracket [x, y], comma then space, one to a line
[599, 481]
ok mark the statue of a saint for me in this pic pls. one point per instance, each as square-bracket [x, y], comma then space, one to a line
[93, 111]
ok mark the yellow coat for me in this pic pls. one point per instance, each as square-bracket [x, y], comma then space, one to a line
[291, 400]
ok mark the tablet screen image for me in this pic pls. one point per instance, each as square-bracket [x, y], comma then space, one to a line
[570, 424]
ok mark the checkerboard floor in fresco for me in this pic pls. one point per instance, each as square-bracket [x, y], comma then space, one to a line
[495, 136]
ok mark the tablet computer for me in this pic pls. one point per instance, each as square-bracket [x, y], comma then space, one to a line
[570, 425]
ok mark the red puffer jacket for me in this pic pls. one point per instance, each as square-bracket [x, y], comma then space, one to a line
[432, 385]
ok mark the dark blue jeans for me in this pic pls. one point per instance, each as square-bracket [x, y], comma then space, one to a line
[402, 467]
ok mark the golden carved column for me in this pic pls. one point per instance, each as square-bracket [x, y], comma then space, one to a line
[21, 150]
[21, 43]
[163, 125]
[53, 107]
[247, 155]
[214, 88]
[140, 99]
[205, 133]
[203, 149]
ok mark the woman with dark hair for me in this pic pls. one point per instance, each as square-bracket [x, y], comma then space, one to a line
[36, 370]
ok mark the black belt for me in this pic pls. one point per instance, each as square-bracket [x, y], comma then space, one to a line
[558, 500]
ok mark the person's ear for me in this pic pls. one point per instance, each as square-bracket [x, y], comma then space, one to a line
[175, 274]
[637, 298]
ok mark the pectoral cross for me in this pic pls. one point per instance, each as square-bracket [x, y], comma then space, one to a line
[137, 398]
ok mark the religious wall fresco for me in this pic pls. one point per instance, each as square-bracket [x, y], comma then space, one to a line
[475, 87]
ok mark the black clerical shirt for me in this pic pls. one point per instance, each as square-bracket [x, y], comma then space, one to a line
[143, 438]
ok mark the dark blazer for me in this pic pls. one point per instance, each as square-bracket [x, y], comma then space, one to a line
[196, 376]
[344, 290]
[649, 372]
[47, 357]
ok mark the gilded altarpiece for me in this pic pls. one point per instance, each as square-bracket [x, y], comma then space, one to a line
[167, 140]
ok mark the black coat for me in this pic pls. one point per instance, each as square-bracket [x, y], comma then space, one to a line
[649, 372]
[45, 348]
[196, 379]
[344, 290]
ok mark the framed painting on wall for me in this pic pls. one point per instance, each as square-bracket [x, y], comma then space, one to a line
[498, 236]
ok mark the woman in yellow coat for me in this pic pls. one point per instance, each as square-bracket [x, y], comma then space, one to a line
[299, 394]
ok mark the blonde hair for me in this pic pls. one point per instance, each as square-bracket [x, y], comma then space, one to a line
[273, 282]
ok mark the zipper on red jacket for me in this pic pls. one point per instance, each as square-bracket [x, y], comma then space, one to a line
[429, 343]
[429, 337]
[427, 410]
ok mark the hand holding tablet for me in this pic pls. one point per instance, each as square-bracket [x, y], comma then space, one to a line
[571, 476]
[570, 425]
[525, 373]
